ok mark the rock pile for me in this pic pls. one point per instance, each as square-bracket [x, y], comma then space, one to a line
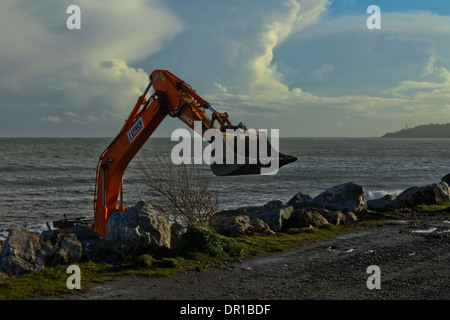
[337, 205]
[25, 251]
[141, 229]
[431, 194]
[145, 228]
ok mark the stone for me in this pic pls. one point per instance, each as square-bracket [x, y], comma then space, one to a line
[332, 216]
[66, 250]
[274, 204]
[3, 276]
[19, 254]
[300, 198]
[26, 251]
[144, 224]
[239, 226]
[345, 197]
[95, 247]
[435, 193]
[387, 202]
[176, 230]
[142, 229]
[350, 217]
[302, 218]
[273, 217]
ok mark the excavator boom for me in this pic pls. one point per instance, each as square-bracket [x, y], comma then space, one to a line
[172, 97]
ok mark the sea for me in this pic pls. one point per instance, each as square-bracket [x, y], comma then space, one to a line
[48, 179]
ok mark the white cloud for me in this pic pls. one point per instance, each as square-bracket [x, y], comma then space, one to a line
[360, 82]
[221, 87]
[87, 71]
[321, 72]
[54, 119]
[298, 15]
[283, 65]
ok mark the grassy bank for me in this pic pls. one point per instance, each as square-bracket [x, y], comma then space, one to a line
[197, 249]
[434, 207]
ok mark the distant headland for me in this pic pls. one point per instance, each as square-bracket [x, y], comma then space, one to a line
[423, 131]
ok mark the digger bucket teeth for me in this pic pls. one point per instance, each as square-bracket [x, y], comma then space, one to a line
[251, 159]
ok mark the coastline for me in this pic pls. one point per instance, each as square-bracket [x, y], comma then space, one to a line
[414, 266]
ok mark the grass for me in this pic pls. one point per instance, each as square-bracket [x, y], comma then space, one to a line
[259, 245]
[50, 282]
[198, 248]
[434, 207]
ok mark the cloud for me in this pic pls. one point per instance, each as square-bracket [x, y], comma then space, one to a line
[89, 71]
[334, 77]
[289, 65]
[54, 119]
[322, 71]
[296, 17]
[222, 87]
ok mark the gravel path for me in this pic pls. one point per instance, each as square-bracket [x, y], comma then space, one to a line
[414, 265]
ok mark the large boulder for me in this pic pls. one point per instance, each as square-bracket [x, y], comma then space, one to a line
[274, 217]
[143, 226]
[345, 197]
[96, 248]
[435, 193]
[239, 226]
[25, 251]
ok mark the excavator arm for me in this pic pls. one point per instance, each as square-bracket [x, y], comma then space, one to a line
[172, 97]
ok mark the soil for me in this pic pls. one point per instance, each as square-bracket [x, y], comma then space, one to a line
[413, 264]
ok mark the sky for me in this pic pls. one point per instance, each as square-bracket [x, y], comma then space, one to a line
[310, 68]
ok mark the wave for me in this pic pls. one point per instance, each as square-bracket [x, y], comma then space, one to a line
[377, 194]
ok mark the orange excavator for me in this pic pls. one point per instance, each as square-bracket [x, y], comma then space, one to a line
[175, 98]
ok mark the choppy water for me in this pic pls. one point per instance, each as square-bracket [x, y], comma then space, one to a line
[41, 179]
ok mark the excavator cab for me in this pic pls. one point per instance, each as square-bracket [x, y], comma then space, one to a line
[235, 149]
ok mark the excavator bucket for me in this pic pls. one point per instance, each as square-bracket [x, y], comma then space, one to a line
[245, 153]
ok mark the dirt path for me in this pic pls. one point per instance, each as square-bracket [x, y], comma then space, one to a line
[413, 266]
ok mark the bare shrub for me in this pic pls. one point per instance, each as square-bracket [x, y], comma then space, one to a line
[185, 190]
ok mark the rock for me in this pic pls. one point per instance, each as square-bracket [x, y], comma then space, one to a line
[274, 204]
[86, 235]
[19, 253]
[446, 179]
[302, 218]
[435, 193]
[239, 226]
[145, 225]
[66, 250]
[141, 229]
[95, 247]
[25, 251]
[273, 217]
[300, 198]
[350, 217]
[3, 276]
[176, 230]
[333, 217]
[388, 201]
[345, 197]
